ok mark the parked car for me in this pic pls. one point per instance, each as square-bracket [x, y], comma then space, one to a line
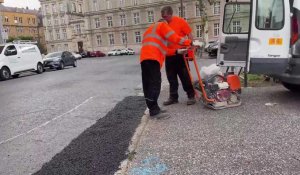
[77, 56]
[127, 51]
[208, 45]
[59, 60]
[84, 54]
[114, 52]
[17, 58]
[213, 49]
[96, 54]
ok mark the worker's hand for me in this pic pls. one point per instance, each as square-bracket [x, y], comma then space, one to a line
[181, 51]
[197, 43]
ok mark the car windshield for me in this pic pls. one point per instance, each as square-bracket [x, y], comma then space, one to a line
[52, 55]
[1, 49]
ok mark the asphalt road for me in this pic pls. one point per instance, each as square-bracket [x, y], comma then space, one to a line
[41, 114]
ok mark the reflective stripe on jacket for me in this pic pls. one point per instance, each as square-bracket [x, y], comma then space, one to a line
[155, 42]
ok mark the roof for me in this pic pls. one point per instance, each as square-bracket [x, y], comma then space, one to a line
[18, 10]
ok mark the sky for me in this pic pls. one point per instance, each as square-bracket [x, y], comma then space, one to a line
[23, 3]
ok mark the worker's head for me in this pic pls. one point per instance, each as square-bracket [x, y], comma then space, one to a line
[167, 13]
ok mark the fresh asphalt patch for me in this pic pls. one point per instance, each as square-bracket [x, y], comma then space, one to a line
[101, 148]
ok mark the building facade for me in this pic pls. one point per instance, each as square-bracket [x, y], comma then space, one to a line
[109, 24]
[20, 22]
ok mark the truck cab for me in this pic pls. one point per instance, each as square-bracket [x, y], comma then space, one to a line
[263, 37]
[17, 58]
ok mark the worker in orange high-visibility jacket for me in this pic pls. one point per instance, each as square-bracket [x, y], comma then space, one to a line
[152, 56]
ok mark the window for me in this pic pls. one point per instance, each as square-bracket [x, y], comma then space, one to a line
[111, 39]
[33, 20]
[236, 26]
[63, 20]
[20, 20]
[47, 9]
[136, 18]
[183, 12]
[73, 7]
[135, 2]
[234, 22]
[108, 4]
[78, 28]
[12, 50]
[216, 8]
[80, 8]
[6, 19]
[150, 16]
[138, 38]
[54, 8]
[55, 21]
[99, 40]
[95, 5]
[29, 20]
[198, 10]
[216, 29]
[66, 47]
[199, 31]
[124, 38]
[122, 2]
[50, 35]
[237, 8]
[109, 21]
[62, 7]
[270, 15]
[57, 34]
[97, 23]
[123, 20]
[64, 31]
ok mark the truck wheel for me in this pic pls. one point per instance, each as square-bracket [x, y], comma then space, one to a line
[61, 66]
[5, 73]
[39, 68]
[291, 87]
[75, 63]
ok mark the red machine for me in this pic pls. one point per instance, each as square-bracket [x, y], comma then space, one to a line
[217, 91]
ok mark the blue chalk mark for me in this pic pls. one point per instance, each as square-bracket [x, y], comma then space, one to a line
[150, 166]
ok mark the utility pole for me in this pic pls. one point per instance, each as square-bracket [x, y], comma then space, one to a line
[1, 25]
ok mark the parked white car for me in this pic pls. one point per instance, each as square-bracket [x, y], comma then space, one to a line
[114, 52]
[127, 51]
[77, 56]
[17, 58]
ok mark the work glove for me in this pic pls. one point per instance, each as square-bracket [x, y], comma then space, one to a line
[181, 51]
[197, 43]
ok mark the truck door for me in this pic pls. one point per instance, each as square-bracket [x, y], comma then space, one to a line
[269, 37]
[234, 34]
[14, 58]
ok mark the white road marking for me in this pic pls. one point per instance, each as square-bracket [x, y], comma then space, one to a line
[46, 123]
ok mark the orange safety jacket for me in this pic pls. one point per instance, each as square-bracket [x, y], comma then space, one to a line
[155, 42]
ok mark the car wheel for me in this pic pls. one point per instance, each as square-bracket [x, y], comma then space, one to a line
[16, 75]
[61, 66]
[39, 68]
[75, 63]
[292, 87]
[5, 73]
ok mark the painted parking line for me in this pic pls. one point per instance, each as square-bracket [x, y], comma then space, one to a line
[46, 123]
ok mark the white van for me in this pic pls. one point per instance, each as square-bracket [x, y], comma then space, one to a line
[263, 36]
[17, 58]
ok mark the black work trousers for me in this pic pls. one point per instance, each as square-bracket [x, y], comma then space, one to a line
[151, 77]
[175, 66]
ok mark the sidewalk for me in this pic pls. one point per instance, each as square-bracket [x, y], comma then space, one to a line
[250, 139]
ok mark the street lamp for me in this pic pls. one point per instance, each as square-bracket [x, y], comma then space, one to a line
[124, 27]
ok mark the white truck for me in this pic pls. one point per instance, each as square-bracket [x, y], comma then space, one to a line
[18, 58]
[263, 37]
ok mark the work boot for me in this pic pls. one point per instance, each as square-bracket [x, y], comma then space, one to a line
[191, 101]
[160, 115]
[170, 101]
